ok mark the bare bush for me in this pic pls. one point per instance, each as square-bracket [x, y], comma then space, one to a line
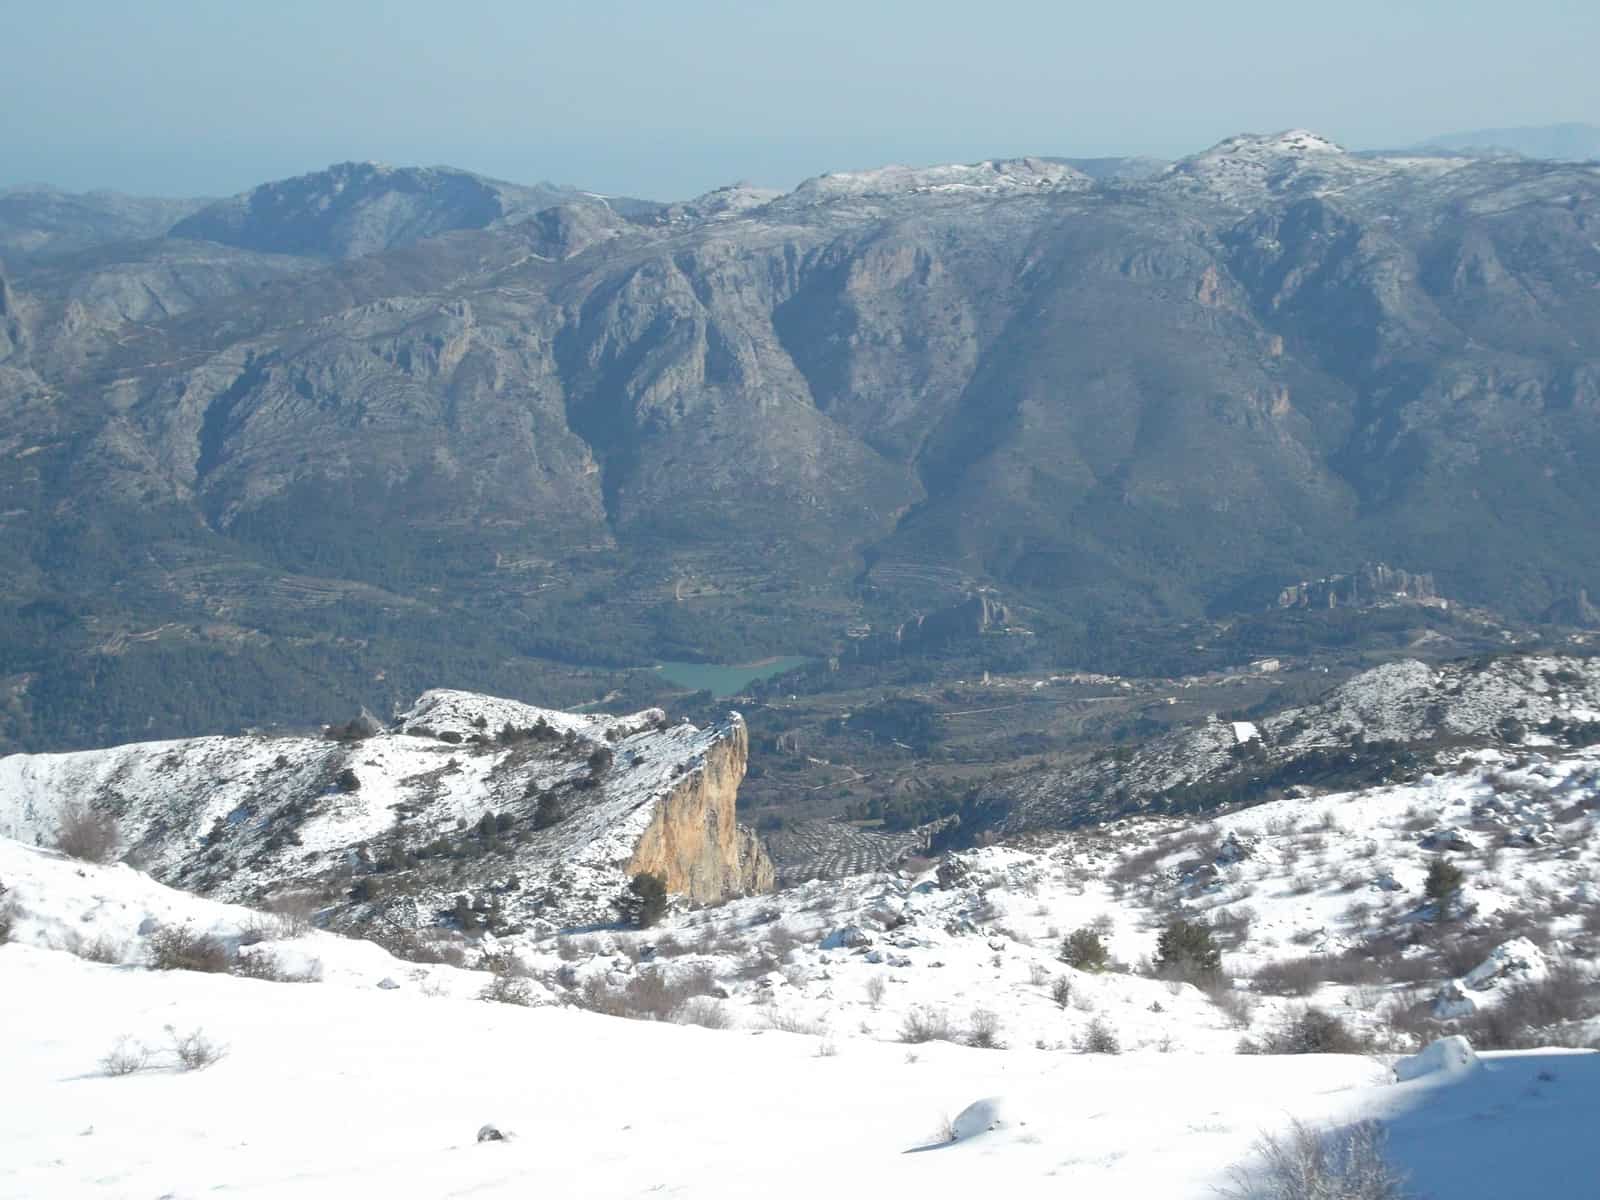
[102, 949]
[1531, 1013]
[1291, 976]
[183, 948]
[265, 965]
[8, 914]
[876, 987]
[125, 1057]
[194, 1050]
[506, 988]
[295, 911]
[1304, 1164]
[1237, 1007]
[788, 1021]
[706, 1012]
[983, 1030]
[86, 834]
[1061, 991]
[1308, 1031]
[926, 1025]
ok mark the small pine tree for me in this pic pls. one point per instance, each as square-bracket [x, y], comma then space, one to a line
[645, 901]
[1187, 951]
[1443, 886]
[1085, 950]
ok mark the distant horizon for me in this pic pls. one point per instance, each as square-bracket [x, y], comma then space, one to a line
[14, 185]
[185, 98]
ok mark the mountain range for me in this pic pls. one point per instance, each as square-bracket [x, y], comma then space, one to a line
[303, 439]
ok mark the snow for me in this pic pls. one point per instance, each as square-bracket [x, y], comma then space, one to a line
[171, 797]
[376, 1080]
[1447, 1056]
[990, 176]
[328, 1091]
[63, 905]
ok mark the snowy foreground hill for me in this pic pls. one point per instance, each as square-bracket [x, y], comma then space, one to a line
[775, 1062]
[1122, 1009]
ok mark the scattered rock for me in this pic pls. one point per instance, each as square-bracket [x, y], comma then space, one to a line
[1519, 957]
[847, 937]
[491, 1133]
[1447, 838]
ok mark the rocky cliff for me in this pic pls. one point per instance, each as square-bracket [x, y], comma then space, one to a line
[469, 811]
[1374, 584]
[693, 840]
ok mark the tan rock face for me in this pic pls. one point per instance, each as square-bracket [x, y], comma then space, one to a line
[694, 841]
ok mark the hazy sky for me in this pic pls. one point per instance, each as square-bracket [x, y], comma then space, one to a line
[668, 98]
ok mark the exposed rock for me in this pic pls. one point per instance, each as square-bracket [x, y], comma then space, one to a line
[1449, 838]
[977, 614]
[693, 840]
[848, 937]
[420, 830]
[1373, 584]
[1517, 959]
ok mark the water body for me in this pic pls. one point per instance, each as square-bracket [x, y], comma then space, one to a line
[721, 680]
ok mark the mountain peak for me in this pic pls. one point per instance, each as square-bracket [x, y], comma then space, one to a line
[354, 208]
[1250, 167]
[989, 176]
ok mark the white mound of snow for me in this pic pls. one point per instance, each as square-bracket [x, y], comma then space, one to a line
[989, 1115]
[1447, 1056]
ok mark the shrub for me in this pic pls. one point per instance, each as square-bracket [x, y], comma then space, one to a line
[1097, 1038]
[125, 1057]
[1291, 976]
[1531, 1013]
[102, 949]
[876, 986]
[1442, 887]
[8, 914]
[86, 834]
[182, 948]
[505, 988]
[1302, 1164]
[983, 1032]
[1084, 950]
[706, 1012]
[645, 900]
[1061, 991]
[926, 1025]
[1186, 951]
[1309, 1031]
[194, 1050]
[1238, 1007]
[263, 964]
[294, 911]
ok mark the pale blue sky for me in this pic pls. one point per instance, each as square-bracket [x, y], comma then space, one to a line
[669, 98]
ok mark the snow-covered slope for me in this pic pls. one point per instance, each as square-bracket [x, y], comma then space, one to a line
[380, 1078]
[325, 1091]
[1250, 169]
[116, 915]
[547, 812]
[1387, 722]
[992, 176]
